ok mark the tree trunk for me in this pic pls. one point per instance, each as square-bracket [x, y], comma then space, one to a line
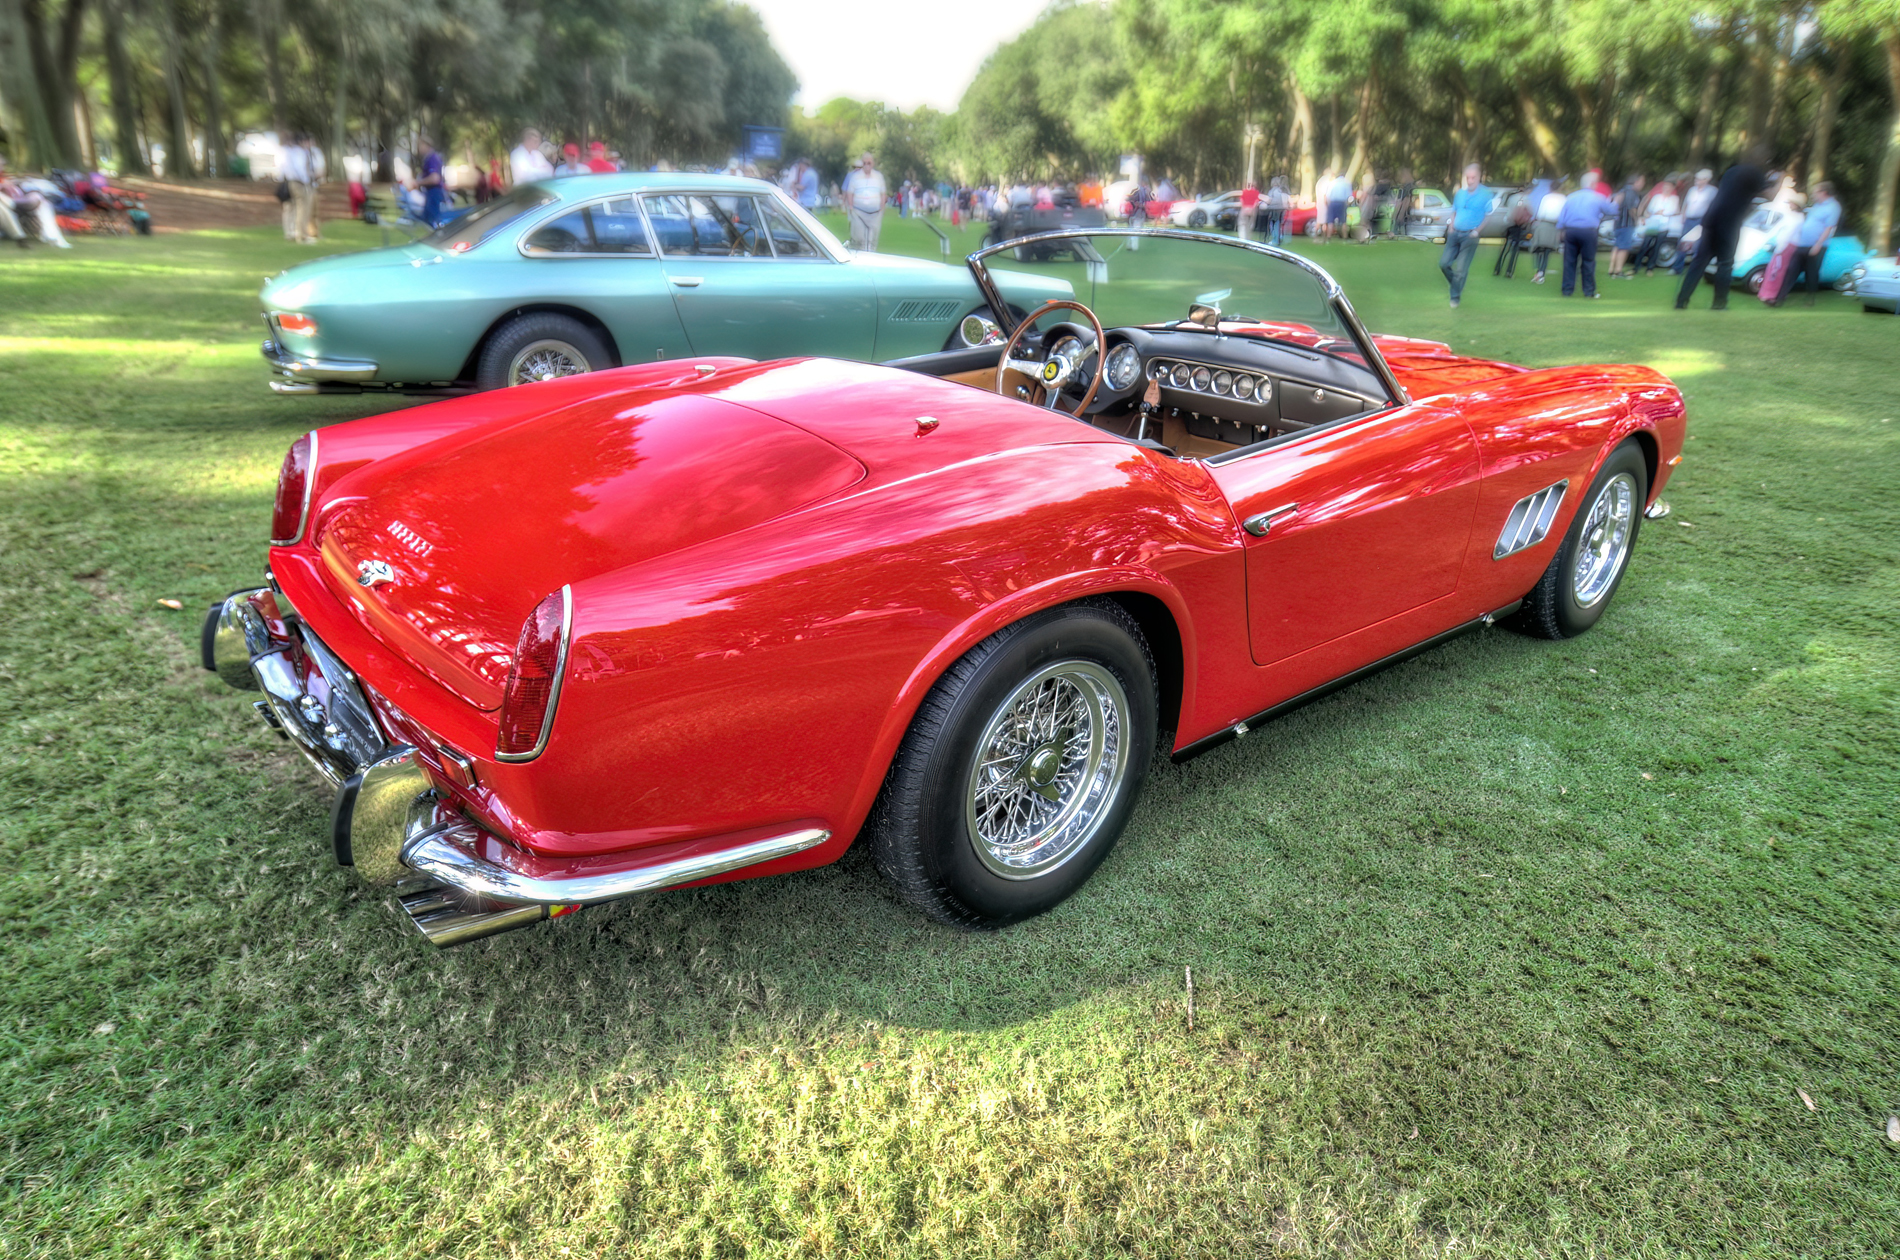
[1705, 106]
[215, 164]
[55, 68]
[178, 161]
[1824, 116]
[1629, 126]
[1889, 161]
[1592, 139]
[1361, 126]
[264, 14]
[340, 110]
[1303, 121]
[38, 146]
[125, 126]
[1760, 81]
[1334, 158]
[1543, 141]
[1778, 81]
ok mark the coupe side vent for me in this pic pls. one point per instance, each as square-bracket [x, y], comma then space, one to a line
[1530, 520]
[916, 311]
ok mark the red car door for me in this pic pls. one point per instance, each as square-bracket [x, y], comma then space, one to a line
[1353, 525]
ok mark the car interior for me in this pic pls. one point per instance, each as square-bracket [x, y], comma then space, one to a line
[1202, 387]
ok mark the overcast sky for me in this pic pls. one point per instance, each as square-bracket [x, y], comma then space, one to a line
[904, 54]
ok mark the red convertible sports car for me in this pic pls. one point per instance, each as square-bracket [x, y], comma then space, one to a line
[704, 620]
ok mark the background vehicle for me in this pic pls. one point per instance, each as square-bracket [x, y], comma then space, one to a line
[1875, 283]
[1771, 224]
[1025, 221]
[1430, 216]
[714, 620]
[577, 274]
[1205, 211]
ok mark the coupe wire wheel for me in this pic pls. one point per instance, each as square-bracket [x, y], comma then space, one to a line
[1048, 766]
[544, 361]
[1606, 538]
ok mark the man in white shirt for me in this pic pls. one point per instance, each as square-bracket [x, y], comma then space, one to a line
[527, 163]
[300, 210]
[1695, 204]
[864, 191]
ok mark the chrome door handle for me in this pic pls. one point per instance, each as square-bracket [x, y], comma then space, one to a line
[686, 282]
[1259, 525]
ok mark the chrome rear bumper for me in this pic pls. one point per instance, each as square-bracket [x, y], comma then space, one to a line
[389, 821]
[294, 371]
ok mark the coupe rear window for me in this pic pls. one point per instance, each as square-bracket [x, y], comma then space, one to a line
[469, 230]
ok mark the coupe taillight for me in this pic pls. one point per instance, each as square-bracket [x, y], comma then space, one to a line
[534, 679]
[292, 506]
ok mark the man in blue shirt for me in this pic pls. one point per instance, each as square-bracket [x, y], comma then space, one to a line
[1584, 210]
[1817, 227]
[1469, 205]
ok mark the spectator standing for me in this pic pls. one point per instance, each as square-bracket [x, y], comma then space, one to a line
[1662, 223]
[1583, 213]
[597, 160]
[526, 163]
[1546, 237]
[1249, 209]
[300, 211]
[807, 191]
[1722, 224]
[1517, 233]
[1403, 196]
[1629, 206]
[1695, 204]
[1817, 228]
[1279, 201]
[571, 163]
[864, 191]
[1469, 205]
[430, 181]
[1338, 195]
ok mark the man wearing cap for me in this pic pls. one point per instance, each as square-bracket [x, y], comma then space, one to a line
[571, 163]
[864, 191]
[597, 159]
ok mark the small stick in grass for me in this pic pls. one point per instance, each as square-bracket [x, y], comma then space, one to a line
[1190, 1004]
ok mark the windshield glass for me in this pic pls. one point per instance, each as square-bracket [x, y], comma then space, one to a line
[469, 230]
[1176, 282]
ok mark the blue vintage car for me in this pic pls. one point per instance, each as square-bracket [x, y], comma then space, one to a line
[592, 271]
[1874, 283]
[1768, 224]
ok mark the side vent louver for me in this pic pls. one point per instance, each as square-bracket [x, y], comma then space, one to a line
[916, 311]
[1530, 520]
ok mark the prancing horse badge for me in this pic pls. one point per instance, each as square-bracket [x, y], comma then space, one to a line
[370, 572]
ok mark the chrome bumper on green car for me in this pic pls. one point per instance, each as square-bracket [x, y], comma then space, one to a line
[305, 374]
[389, 821]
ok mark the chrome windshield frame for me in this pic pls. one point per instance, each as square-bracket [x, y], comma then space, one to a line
[1334, 294]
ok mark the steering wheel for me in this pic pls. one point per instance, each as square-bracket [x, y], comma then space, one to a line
[1053, 371]
[745, 240]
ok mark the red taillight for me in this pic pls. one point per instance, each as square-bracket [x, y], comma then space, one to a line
[534, 680]
[293, 492]
[292, 322]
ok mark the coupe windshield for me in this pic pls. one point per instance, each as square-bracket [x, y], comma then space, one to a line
[1153, 280]
[469, 230]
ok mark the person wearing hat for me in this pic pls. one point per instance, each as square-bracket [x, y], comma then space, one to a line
[597, 159]
[864, 191]
[571, 161]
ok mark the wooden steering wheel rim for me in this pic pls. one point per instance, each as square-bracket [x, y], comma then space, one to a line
[1101, 351]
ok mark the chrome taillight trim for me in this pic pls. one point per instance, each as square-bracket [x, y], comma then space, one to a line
[1530, 520]
[309, 484]
[554, 693]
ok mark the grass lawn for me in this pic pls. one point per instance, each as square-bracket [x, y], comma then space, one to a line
[1520, 949]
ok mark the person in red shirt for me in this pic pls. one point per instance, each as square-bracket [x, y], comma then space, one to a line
[597, 159]
[1249, 207]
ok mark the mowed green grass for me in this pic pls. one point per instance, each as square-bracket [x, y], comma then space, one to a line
[1520, 949]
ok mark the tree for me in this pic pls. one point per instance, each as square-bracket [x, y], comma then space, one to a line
[1880, 21]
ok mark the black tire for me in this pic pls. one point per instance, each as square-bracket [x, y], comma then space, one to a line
[510, 349]
[1563, 605]
[1751, 283]
[1312, 226]
[928, 827]
[1197, 218]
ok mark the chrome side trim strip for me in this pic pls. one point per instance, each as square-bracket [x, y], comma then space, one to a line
[1529, 520]
[554, 693]
[441, 853]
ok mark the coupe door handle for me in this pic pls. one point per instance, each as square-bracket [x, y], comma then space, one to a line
[686, 282]
[1259, 525]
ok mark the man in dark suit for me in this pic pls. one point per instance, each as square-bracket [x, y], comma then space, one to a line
[1741, 184]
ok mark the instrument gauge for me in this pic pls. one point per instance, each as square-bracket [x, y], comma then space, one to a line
[1124, 367]
[1243, 387]
[1201, 378]
[1179, 376]
[1223, 381]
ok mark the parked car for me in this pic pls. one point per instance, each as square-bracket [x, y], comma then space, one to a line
[1430, 216]
[681, 623]
[1298, 221]
[1204, 211]
[1755, 247]
[573, 275]
[1875, 283]
[1023, 221]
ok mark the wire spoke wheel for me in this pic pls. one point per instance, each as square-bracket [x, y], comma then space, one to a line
[545, 360]
[1048, 766]
[1605, 542]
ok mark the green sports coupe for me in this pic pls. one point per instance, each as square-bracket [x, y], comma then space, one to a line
[593, 271]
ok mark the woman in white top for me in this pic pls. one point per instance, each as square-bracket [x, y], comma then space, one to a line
[1545, 236]
[1662, 222]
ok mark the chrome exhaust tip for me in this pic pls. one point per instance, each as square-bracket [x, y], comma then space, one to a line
[446, 916]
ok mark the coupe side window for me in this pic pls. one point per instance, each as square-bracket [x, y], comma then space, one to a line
[568, 234]
[707, 227]
[618, 228]
[1433, 201]
[787, 240]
